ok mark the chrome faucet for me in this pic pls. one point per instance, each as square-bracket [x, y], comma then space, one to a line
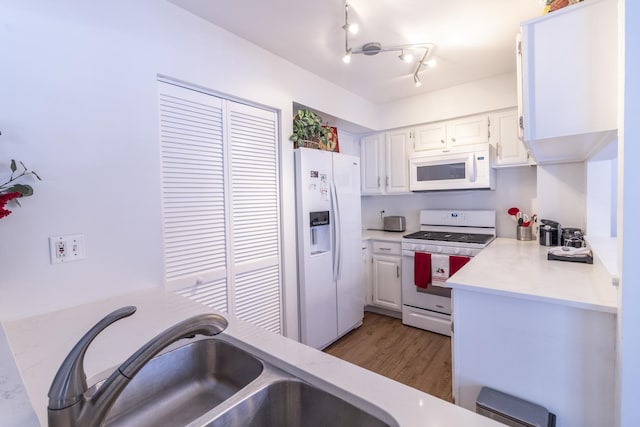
[70, 404]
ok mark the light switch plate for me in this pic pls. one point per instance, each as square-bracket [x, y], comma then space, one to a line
[67, 248]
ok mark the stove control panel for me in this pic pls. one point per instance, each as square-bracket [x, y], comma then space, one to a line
[438, 249]
[458, 218]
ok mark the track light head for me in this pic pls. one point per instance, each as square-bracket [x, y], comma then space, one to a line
[351, 28]
[347, 57]
[405, 57]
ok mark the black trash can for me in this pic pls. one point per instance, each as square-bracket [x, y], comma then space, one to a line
[512, 411]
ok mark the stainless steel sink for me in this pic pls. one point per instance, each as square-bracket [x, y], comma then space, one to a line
[206, 382]
[212, 382]
[177, 387]
[293, 403]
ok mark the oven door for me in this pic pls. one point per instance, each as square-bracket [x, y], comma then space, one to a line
[434, 298]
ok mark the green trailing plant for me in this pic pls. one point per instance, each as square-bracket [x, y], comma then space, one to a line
[308, 126]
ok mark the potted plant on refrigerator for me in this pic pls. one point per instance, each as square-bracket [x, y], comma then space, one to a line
[309, 131]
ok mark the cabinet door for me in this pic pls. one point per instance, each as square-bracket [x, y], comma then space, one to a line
[510, 151]
[366, 265]
[468, 130]
[216, 173]
[372, 164]
[397, 162]
[569, 72]
[386, 282]
[430, 137]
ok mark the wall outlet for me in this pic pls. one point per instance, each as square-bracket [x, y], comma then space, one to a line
[67, 248]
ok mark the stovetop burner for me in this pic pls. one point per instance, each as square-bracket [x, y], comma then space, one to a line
[444, 236]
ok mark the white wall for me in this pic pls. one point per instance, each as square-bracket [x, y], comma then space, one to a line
[562, 194]
[628, 212]
[78, 103]
[601, 198]
[348, 144]
[490, 94]
[514, 187]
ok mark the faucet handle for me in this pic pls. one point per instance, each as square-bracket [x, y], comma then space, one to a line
[70, 382]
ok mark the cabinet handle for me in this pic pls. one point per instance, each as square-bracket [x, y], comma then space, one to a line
[384, 249]
[378, 182]
[398, 271]
[442, 141]
[387, 181]
[453, 140]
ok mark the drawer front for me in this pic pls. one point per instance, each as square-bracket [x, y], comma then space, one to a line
[387, 248]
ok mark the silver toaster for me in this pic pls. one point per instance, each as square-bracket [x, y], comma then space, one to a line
[394, 223]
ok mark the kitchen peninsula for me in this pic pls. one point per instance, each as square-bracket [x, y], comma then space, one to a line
[39, 344]
[540, 330]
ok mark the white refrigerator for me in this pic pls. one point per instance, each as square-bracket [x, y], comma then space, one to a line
[330, 271]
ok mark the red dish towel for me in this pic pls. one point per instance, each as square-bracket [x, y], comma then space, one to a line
[456, 263]
[422, 270]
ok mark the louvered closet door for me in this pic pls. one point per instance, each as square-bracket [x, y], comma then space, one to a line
[254, 214]
[193, 194]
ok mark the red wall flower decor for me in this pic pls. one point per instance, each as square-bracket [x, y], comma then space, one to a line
[12, 190]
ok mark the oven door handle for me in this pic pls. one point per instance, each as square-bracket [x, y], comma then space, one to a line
[409, 253]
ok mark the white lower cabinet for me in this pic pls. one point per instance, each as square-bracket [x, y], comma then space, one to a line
[386, 275]
[557, 356]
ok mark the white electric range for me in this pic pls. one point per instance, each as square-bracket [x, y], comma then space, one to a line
[450, 238]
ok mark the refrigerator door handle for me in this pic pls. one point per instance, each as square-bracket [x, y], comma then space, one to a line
[337, 230]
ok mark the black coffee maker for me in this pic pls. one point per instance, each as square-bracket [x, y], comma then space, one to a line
[572, 237]
[550, 232]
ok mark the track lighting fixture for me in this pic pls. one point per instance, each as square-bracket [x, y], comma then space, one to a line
[373, 48]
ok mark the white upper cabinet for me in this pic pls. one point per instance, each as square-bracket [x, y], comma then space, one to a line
[509, 149]
[453, 133]
[432, 136]
[468, 130]
[384, 165]
[372, 165]
[397, 148]
[568, 76]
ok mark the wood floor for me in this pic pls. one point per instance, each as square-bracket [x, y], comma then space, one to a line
[414, 357]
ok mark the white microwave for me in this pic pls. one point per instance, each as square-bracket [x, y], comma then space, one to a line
[457, 169]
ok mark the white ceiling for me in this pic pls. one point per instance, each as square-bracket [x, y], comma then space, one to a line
[474, 39]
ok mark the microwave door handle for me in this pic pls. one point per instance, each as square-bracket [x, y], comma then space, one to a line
[472, 164]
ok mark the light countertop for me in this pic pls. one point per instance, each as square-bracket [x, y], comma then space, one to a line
[39, 344]
[15, 408]
[520, 269]
[390, 236]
